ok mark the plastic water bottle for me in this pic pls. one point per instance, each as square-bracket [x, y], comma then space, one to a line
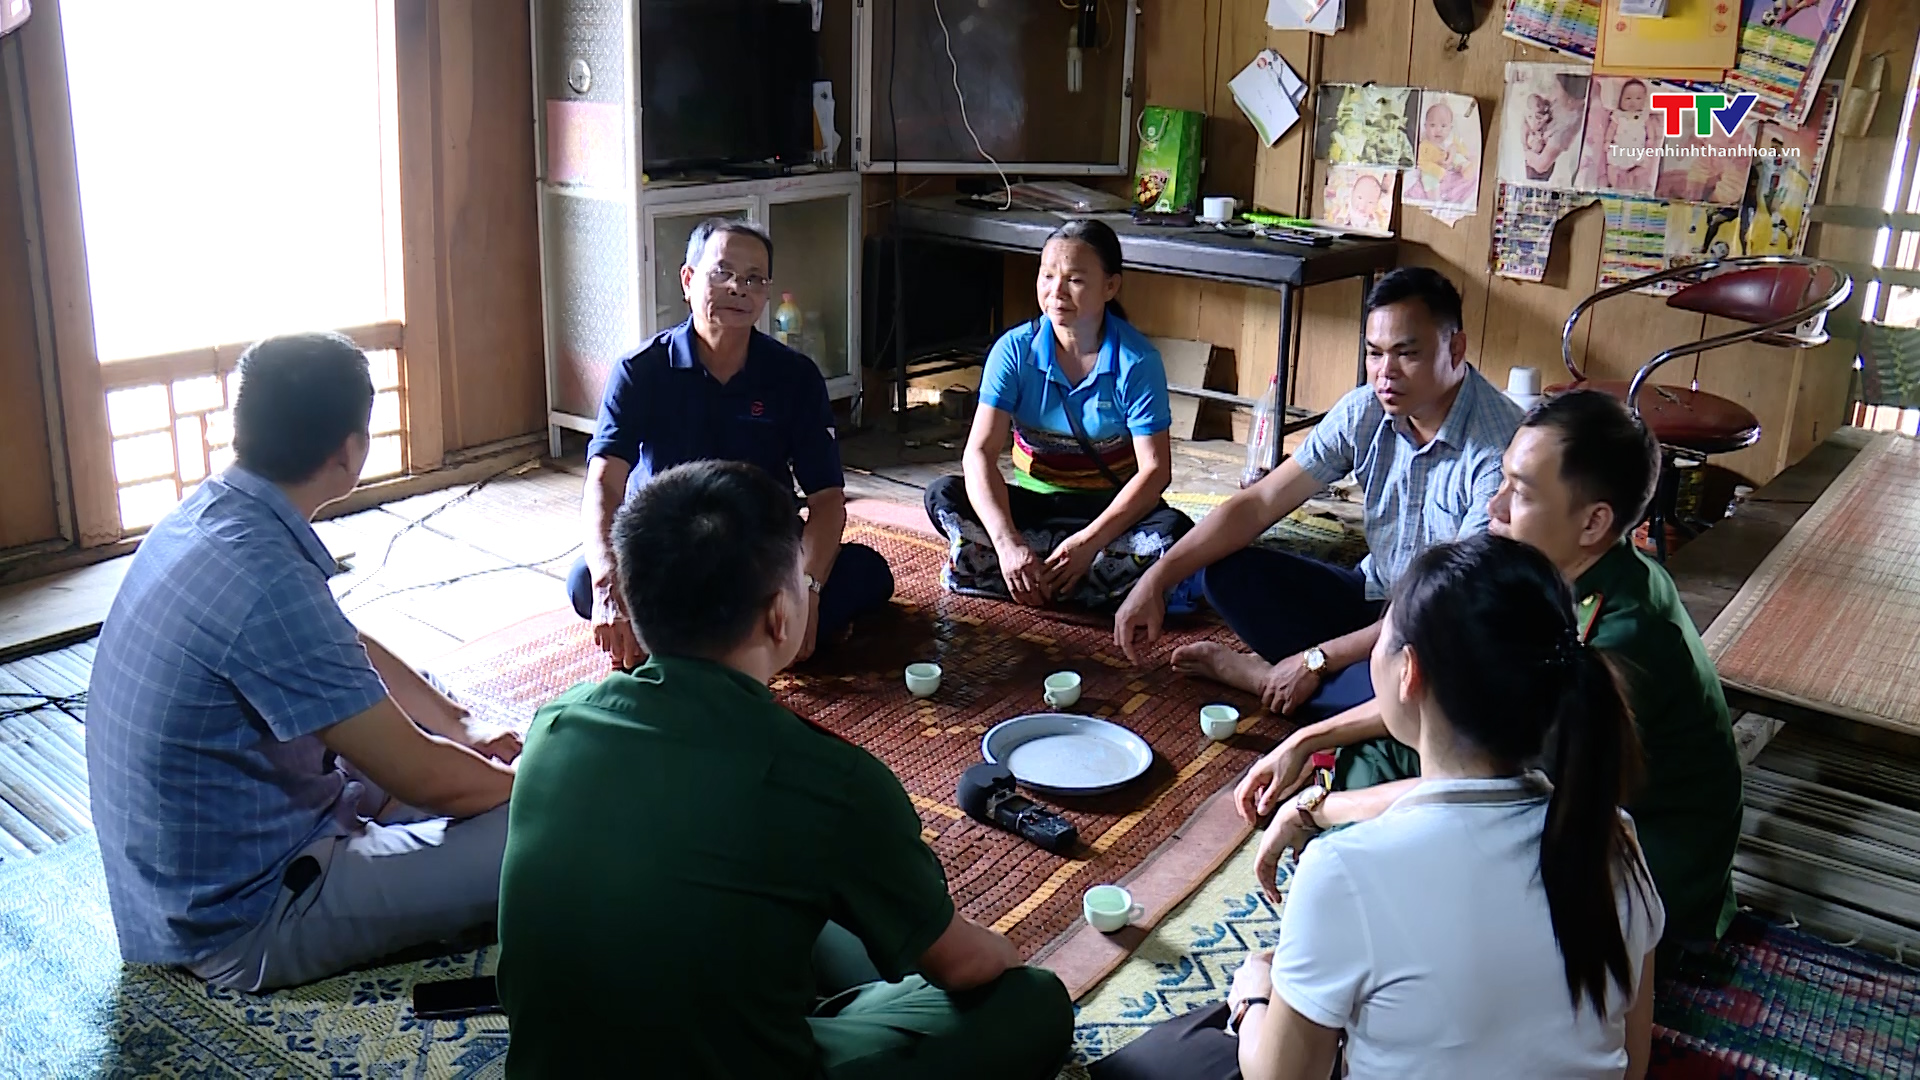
[1263, 441]
[786, 320]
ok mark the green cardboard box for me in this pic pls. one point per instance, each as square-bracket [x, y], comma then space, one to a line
[1166, 174]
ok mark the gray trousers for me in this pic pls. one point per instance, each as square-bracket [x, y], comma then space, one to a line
[403, 880]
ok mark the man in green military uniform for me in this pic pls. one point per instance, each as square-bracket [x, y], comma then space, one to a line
[699, 883]
[1578, 476]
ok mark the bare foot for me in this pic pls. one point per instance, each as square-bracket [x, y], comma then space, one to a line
[1212, 660]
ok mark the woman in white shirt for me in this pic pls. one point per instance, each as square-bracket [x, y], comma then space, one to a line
[1495, 921]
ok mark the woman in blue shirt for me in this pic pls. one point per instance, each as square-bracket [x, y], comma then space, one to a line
[1083, 396]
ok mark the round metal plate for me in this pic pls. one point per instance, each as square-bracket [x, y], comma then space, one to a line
[1065, 754]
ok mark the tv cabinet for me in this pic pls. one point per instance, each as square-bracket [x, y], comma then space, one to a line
[612, 240]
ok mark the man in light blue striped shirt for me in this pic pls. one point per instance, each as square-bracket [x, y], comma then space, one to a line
[1423, 438]
[278, 798]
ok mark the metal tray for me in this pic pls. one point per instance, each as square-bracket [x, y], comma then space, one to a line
[1066, 754]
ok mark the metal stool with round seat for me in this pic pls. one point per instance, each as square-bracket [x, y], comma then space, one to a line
[1783, 299]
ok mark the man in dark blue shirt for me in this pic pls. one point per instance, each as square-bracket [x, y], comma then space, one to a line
[716, 388]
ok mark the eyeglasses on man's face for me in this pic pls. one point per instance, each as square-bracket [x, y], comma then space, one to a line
[721, 277]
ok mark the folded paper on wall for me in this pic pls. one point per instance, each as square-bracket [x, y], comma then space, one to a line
[1523, 222]
[1288, 15]
[1264, 90]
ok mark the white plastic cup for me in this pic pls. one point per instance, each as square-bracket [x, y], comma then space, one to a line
[1218, 209]
[923, 679]
[1108, 908]
[1523, 386]
[1219, 722]
[1062, 689]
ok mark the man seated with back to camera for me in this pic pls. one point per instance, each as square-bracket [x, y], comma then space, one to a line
[1579, 475]
[255, 760]
[716, 388]
[1423, 438]
[735, 891]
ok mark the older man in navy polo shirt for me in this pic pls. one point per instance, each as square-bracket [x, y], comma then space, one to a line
[714, 387]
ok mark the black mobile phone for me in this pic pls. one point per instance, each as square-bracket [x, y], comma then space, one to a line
[450, 999]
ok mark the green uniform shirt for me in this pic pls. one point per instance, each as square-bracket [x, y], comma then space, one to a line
[1688, 809]
[676, 842]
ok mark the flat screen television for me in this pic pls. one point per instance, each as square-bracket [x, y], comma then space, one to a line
[725, 83]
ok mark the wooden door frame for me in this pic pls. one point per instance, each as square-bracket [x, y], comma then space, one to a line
[81, 417]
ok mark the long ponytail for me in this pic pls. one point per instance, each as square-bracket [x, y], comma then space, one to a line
[1595, 763]
[1491, 621]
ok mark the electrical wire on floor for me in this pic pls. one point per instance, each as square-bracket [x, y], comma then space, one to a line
[536, 566]
[66, 703]
[473, 489]
[1006, 186]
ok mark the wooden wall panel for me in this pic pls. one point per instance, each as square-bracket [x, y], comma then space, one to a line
[28, 509]
[492, 385]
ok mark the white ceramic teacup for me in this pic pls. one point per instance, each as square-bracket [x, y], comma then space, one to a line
[1219, 722]
[1217, 209]
[1062, 689]
[923, 679]
[1109, 908]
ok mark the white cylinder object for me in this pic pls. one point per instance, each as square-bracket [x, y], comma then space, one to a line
[1523, 386]
[1217, 208]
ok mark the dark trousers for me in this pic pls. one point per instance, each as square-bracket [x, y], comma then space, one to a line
[860, 581]
[1282, 604]
[1017, 1027]
[1046, 519]
[1193, 1046]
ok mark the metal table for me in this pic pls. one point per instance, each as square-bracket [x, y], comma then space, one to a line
[1201, 252]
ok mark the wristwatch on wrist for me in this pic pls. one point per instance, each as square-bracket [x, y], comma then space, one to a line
[1316, 659]
[1240, 1011]
[1308, 804]
[813, 584]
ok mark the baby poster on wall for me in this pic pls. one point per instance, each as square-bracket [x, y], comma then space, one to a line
[1365, 125]
[1447, 176]
[1622, 136]
[1360, 197]
[1707, 168]
[1541, 119]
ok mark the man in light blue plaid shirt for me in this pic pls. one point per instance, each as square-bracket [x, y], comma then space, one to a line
[1423, 439]
[254, 762]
